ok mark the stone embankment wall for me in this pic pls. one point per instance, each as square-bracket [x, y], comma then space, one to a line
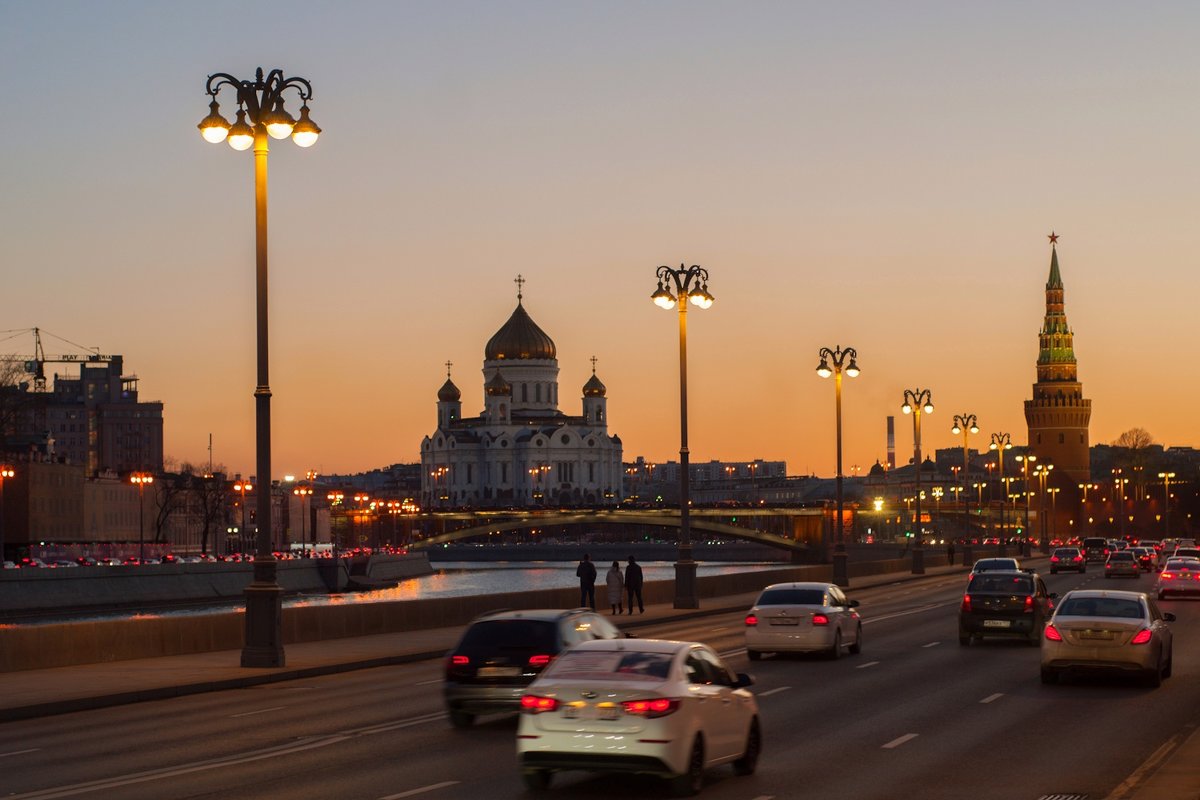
[41, 646]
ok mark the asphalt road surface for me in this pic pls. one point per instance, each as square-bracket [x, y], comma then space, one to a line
[913, 716]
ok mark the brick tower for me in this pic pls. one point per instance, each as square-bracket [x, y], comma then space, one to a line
[1058, 414]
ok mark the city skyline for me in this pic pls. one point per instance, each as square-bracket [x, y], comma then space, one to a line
[873, 177]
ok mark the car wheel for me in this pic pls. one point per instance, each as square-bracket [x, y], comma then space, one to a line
[461, 719]
[1154, 677]
[691, 782]
[537, 780]
[1049, 676]
[754, 655]
[856, 648]
[749, 760]
[835, 652]
[1166, 673]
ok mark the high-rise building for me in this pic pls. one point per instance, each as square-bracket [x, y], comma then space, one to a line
[1058, 414]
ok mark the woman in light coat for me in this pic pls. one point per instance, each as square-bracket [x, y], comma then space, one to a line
[616, 588]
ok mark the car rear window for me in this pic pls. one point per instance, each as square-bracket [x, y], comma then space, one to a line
[610, 665]
[791, 597]
[511, 634]
[1101, 607]
[1002, 584]
[1066, 552]
[1123, 555]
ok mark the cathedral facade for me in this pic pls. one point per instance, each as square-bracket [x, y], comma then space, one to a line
[521, 451]
[1058, 414]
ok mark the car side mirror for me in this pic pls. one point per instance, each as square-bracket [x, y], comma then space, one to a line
[1052, 595]
[631, 636]
[852, 604]
[743, 680]
[1168, 616]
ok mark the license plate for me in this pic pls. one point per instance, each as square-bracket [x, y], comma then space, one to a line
[785, 621]
[605, 713]
[997, 623]
[499, 672]
[1095, 635]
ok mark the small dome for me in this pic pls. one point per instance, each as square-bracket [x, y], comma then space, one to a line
[449, 393]
[497, 386]
[928, 465]
[519, 338]
[877, 471]
[594, 388]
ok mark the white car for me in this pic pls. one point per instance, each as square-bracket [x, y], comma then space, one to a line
[638, 705]
[803, 618]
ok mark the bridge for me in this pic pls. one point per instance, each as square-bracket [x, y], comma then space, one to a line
[796, 530]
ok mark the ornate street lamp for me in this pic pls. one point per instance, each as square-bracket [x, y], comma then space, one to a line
[242, 487]
[1053, 492]
[917, 401]
[1025, 460]
[1042, 473]
[838, 356]
[1119, 482]
[261, 102]
[1166, 478]
[1083, 518]
[1001, 442]
[141, 480]
[305, 492]
[691, 284]
[6, 471]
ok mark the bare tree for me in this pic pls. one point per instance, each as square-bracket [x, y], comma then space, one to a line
[1133, 456]
[1134, 439]
[208, 493]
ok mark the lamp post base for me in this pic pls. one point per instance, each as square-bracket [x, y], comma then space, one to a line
[841, 575]
[685, 583]
[918, 560]
[263, 645]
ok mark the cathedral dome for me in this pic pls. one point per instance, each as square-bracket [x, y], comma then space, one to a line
[877, 471]
[519, 338]
[449, 393]
[497, 386]
[594, 388]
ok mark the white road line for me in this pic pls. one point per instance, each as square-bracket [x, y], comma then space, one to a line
[765, 797]
[894, 743]
[260, 711]
[413, 792]
[931, 644]
[868, 664]
[728, 653]
[426, 683]
[770, 692]
[20, 752]
[917, 610]
[992, 697]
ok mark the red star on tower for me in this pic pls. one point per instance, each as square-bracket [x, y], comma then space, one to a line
[1053, 237]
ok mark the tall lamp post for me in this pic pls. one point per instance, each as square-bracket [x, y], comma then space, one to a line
[1025, 460]
[1083, 518]
[691, 284]
[242, 487]
[141, 480]
[1053, 492]
[1001, 442]
[6, 472]
[335, 499]
[917, 401]
[1166, 478]
[838, 357]
[1119, 482]
[1042, 473]
[261, 100]
[305, 492]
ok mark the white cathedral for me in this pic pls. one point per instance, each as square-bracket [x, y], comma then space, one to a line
[521, 451]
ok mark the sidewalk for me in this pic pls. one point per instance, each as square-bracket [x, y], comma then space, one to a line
[1173, 772]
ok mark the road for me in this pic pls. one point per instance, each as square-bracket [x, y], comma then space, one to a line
[914, 716]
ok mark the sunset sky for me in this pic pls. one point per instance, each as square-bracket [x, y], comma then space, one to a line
[881, 175]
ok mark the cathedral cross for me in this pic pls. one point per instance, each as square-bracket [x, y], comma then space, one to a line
[520, 282]
[449, 364]
[593, 365]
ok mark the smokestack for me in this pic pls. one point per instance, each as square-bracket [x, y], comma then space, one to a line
[891, 443]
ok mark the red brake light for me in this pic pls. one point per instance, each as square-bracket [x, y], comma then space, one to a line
[536, 704]
[820, 619]
[1053, 559]
[1028, 603]
[966, 603]
[539, 660]
[1141, 637]
[751, 621]
[659, 707]
[1167, 576]
[459, 661]
[1108, 566]
[1052, 634]
[1077, 558]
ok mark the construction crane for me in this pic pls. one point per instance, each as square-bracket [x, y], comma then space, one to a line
[35, 364]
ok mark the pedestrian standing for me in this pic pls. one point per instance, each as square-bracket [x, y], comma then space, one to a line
[950, 552]
[616, 587]
[586, 572]
[633, 585]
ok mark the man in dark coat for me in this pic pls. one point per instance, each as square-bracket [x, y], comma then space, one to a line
[633, 584]
[586, 572]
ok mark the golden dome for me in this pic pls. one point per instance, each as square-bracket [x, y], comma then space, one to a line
[519, 338]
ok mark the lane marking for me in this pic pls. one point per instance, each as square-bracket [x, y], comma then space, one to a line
[414, 792]
[931, 644]
[260, 711]
[868, 664]
[20, 752]
[728, 653]
[1151, 764]
[774, 691]
[426, 683]
[992, 697]
[909, 612]
[894, 743]
[765, 797]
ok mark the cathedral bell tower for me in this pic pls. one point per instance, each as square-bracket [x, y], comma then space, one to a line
[1058, 414]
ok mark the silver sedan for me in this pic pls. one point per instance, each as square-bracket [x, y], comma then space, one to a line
[1116, 632]
[803, 618]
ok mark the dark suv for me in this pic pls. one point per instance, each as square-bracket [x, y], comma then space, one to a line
[1096, 548]
[1004, 604]
[502, 652]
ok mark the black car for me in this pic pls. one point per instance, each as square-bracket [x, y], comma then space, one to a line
[1067, 558]
[1012, 604]
[502, 652]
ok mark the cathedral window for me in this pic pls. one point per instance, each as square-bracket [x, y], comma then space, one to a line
[591, 473]
[565, 439]
[524, 392]
[538, 391]
[504, 473]
[470, 478]
[1062, 438]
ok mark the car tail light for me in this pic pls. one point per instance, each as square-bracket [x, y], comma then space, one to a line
[536, 704]
[459, 661]
[1028, 604]
[751, 621]
[1141, 637]
[966, 603]
[820, 619]
[659, 707]
[539, 660]
[1052, 634]
[1167, 576]
[1077, 558]
[1053, 559]
[1108, 566]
